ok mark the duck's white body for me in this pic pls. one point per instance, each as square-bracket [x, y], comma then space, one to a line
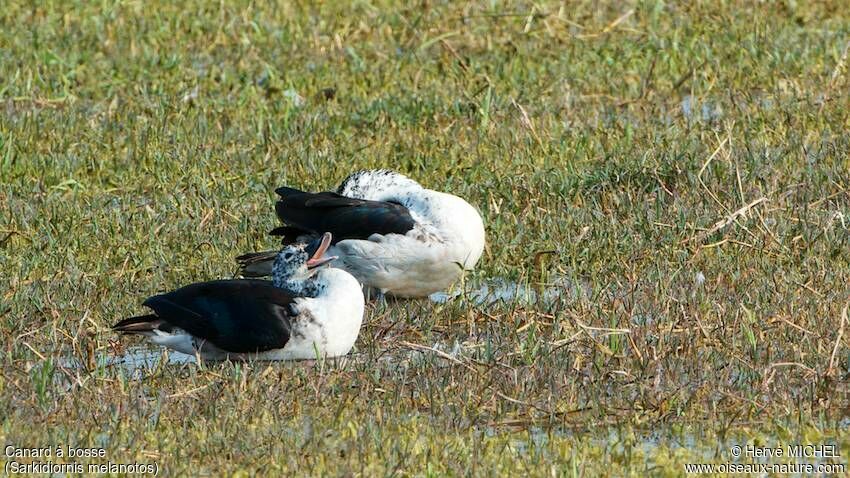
[325, 326]
[395, 236]
[448, 238]
[306, 312]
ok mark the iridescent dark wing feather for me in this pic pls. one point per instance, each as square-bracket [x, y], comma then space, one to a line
[344, 217]
[240, 316]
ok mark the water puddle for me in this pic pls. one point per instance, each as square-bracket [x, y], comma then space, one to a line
[694, 110]
[135, 361]
[507, 291]
[658, 448]
[141, 361]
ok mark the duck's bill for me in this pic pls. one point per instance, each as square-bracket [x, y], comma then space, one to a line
[317, 250]
[314, 263]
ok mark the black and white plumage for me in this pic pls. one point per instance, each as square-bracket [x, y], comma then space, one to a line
[304, 312]
[390, 233]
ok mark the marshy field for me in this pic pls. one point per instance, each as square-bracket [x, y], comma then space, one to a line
[664, 187]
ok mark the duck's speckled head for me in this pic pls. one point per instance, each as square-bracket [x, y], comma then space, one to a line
[297, 263]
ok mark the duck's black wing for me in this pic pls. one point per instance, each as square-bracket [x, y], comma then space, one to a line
[240, 316]
[344, 217]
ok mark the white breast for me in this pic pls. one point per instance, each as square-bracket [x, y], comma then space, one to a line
[327, 325]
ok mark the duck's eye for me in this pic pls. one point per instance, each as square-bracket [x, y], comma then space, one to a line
[288, 255]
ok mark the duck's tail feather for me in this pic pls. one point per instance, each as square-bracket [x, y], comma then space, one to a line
[257, 264]
[142, 324]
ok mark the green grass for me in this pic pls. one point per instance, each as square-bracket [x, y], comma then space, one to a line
[140, 143]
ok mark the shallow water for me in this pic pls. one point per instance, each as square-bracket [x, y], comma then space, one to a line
[659, 447]
[136, 361]
[652, 447]
[508, 291]
[695, 110]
